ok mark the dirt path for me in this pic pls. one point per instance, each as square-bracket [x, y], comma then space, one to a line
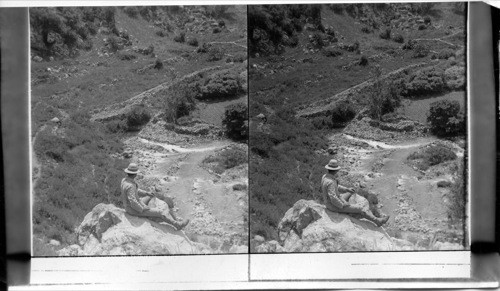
[215, 209]
[416, 205]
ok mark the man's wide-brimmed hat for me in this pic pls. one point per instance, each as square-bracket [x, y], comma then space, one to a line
[132, 169]
[333, 165]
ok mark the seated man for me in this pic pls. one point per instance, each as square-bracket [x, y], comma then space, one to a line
[337, 202]
[136, 201]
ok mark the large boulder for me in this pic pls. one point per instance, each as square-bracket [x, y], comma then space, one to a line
[309, 227]
[108, 230]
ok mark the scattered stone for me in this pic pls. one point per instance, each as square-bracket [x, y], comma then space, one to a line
[259, 239]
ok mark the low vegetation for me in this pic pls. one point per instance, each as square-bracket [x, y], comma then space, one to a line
[225, 159]
[235, 121]
[431, 156]
[446, 118]
[78, 173]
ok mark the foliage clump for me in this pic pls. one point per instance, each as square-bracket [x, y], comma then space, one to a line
[431, 156]
[236, 121]
[446, 118]
[220, 85]
[426, 81]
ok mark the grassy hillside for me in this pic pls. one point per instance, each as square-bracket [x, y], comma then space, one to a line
[348, 44]
[79, 163]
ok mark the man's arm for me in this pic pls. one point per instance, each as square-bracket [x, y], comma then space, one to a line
[143, 193]
[345, 189]
[134, 203]
[334, 198]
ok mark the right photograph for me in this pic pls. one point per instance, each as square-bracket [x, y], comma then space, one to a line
[358, 127]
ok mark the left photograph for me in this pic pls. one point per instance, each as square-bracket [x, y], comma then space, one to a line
[139, 129]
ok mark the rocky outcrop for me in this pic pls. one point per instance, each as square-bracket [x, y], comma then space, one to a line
[309, 227]
[108, 230]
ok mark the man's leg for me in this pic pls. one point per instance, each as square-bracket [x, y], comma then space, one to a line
[146, 199]
[153, 213]
[364, 213]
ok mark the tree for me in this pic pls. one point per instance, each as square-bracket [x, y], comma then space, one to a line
[236, 121]
[445, 118]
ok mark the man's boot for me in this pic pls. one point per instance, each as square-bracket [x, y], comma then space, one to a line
[175, 223]
[379, 221]
[180, 224]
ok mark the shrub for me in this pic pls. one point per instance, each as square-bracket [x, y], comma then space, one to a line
[422, 27]
[342, 112]
[220, 85]
[236, 121]
[181, 37]
[131, 11]
[425, 81]
[398, 38]
[216, 30]
[113, 44]
[193, 41]
[138, 116]
[385, 34]
[409, 45]
[421, 51]
[161, 33]
[427, 19]
[126, 56]
[317, 40]
[422, 8]
[363, 61]
[238, 58]
[431, 156]
[446, 54]
[293, 41]
[215, 54]
[226, 159]
[332, 52]
[116, 126]
[446, 119]
[158, 64]
[366, 29]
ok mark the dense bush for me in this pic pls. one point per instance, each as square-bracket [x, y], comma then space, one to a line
[446, 54]
[342, 113]
[425, 81]
[126, 56]
[366, 29]
[225, 159]
[193, 41]
[422, 8]
[236, 121]
[215, 54]
[138, 116]
[384, 97]
[113, 44]
[131, 11]
[431, 156]
[317, 40]
[420, 51]
[446, 118]
[363, 61]
[161, 33]
[398, 38]
[220, 85]
[385, 34]
[62, 31]
[269, 26]
[427, 19]
[331, 52]
[180, 37]
[409, 45]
